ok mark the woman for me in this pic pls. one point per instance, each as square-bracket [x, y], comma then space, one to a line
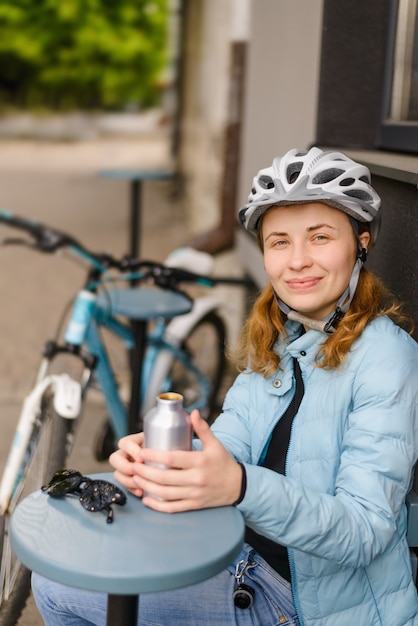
[317, 440]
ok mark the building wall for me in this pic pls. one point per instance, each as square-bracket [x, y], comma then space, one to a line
[205, 80]
[352, 72]
[282, 82]
[396, 253]
[280, 93]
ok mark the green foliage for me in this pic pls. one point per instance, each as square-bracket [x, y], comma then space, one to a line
[90, 54]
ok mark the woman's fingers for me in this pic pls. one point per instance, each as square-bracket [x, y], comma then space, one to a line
[125, 459]
[128, 482]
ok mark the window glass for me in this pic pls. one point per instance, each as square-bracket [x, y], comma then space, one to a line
[399, 123]
[404, 93]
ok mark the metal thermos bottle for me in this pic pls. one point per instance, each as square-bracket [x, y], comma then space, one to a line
[167, 426]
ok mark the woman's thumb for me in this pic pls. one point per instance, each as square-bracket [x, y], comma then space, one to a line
[200, 426]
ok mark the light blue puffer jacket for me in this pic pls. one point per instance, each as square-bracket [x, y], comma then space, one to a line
[340, 508]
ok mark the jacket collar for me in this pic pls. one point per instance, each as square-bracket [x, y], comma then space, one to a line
[303, 346]
[299, 344]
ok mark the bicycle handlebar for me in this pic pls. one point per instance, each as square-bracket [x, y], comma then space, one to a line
[46, 239]
[49, 240]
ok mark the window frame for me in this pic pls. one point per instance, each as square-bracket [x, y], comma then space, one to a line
[395, 135]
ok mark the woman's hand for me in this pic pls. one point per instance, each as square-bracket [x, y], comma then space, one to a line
[125, 460]
[193, 480]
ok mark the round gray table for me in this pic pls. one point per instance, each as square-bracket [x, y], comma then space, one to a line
[143, 551]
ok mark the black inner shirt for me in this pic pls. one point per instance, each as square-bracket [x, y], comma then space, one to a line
[274, 553]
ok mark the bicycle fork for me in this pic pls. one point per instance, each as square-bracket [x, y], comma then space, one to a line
[67, 403]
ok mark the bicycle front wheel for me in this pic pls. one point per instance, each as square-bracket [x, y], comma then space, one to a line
[199, 375]
[46, 452]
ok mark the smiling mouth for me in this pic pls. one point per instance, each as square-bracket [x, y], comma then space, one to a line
[303, 283]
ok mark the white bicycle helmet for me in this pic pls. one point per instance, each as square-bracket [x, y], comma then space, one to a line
[302, 176]
[314, 176]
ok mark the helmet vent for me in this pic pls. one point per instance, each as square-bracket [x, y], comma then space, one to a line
[266, 182]
[360, 194]
[347, 182]
[327, 175]
[293, 171]
[365, 179]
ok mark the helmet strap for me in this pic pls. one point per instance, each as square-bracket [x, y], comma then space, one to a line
[362, 254]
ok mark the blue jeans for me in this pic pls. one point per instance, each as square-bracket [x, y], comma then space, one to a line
[204, 604]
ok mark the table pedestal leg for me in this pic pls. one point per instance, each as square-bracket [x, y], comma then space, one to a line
[122, 610]
[139, 330]
[135, 218]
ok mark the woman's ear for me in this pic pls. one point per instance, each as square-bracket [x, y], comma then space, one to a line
[365, 240]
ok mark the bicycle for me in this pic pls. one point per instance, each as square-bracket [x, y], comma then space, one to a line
[173, 342]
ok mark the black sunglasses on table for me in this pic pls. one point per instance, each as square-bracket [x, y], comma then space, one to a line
[93, 494]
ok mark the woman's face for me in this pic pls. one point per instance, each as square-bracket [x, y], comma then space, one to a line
[309, 254]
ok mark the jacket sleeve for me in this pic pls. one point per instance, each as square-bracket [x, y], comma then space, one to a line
[356, 520]
[232, 426]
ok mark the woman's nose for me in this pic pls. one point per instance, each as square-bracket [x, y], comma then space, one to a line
[299, 257]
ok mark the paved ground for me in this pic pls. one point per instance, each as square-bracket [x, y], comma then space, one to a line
[58, 183]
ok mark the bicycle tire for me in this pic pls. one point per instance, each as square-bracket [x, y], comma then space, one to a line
[205, 346]
[46, 453]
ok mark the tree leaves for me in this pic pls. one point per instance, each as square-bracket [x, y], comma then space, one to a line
[89, 54]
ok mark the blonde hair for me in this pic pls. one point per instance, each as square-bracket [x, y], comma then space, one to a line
[266, 325]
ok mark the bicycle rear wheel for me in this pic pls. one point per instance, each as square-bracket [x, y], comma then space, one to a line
[46, 452]
[205, 348]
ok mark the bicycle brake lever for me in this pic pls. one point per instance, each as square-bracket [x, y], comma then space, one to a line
[49, 240]
[16, 241]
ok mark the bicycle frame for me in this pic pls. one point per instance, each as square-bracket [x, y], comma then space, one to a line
[67, 396]
[162, 347]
